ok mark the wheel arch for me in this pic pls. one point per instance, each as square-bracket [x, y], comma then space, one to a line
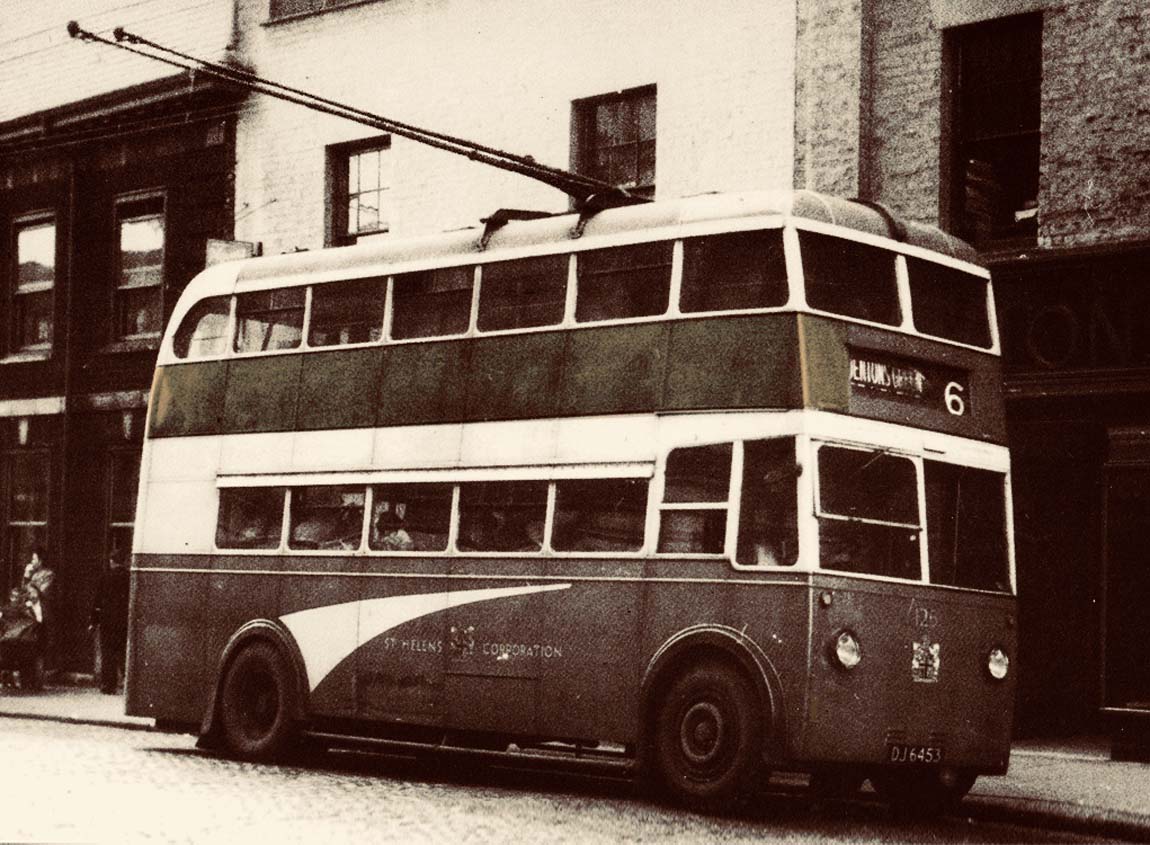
[257, 630]
[692, 645]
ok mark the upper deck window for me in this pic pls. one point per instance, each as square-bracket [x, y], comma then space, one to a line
[734, 271]
[868, 512]
[518, 294]
[693, 517]
[622, 282]
[966, 527]
[347, 312]
[949, 303]
[849, 278]
[269, 320]
[204, 331]
[432, 303]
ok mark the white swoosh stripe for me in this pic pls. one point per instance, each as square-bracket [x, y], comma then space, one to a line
[326, 636]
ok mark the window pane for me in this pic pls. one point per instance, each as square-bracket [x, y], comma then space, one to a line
[368, 189]
[600, 515]
[868, 548]
[632, 281]
[269, 320]
[250, 518]
[138, 311]
[326, 518]
[517, 294]
[698, 474]
[966, 527]
[861, 484]
[204, 331]
[692, 532]
[410, 517]
[502, 516]
[347, 312]
[141, 251]
[948, 303]
[848, 278]
[36, 254]
[28, 494]
[33, 319]
[432, 303]
[617, 135]
[728, 272]
[768, 516]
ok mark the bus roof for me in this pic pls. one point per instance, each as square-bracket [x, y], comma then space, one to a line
[562, 231]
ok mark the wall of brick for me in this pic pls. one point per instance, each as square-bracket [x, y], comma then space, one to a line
[41, 67]
[504, 73]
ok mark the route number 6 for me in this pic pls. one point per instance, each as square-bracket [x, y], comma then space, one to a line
[953, 397]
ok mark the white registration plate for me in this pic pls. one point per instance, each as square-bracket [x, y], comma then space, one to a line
[903, 753]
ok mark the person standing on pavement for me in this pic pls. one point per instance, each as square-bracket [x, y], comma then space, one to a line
[110, 617]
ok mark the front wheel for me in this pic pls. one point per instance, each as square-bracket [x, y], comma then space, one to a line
[708, 737]
[256, 704]
[923, 794]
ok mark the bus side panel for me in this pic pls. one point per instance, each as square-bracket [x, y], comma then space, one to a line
[590, 661]
[922, 680]
[747, 362]
[187, 399]
[169, 674]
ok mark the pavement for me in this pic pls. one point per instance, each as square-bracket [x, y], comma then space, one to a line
[1064, 784]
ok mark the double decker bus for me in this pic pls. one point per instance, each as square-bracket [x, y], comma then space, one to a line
[704, 489]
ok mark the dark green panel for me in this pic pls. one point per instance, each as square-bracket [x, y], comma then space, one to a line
[424, 383]
[733, 362]
[338, 389]
[515, 376]
[262, 393]
[187, 399]
[827, 363]
[614, 370]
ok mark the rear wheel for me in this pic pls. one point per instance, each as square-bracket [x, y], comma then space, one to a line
[923, 794]
[256, 704]
[707, 736]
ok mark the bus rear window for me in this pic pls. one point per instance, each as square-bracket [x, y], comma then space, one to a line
[204, 331]
[347, 312]
[734, 271]
[628, 281]
[949, 303]
[250, 518]
[518, 294]
[410, 517]
[269, 320]
[599, 515]
[966, 527]
[432, 303]
[849, 278]
[868, 513]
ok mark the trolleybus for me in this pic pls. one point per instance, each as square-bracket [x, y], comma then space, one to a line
[710, 488]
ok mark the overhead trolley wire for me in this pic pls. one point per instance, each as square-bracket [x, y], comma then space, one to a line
[589, 193]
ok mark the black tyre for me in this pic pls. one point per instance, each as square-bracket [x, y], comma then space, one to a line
[707, 737]
[257, 703]
[923, 794]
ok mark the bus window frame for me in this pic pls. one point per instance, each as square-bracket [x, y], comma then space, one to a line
[817, 513]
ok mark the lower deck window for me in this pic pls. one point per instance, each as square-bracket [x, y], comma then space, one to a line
[768, 513]
[410, 517]
[250, 518]
[600, 515]
[868, 513]
[966, 527]
[693, 516]
[326, 518]
[502, 516]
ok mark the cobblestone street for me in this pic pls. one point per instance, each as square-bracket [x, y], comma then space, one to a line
[95, 784]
